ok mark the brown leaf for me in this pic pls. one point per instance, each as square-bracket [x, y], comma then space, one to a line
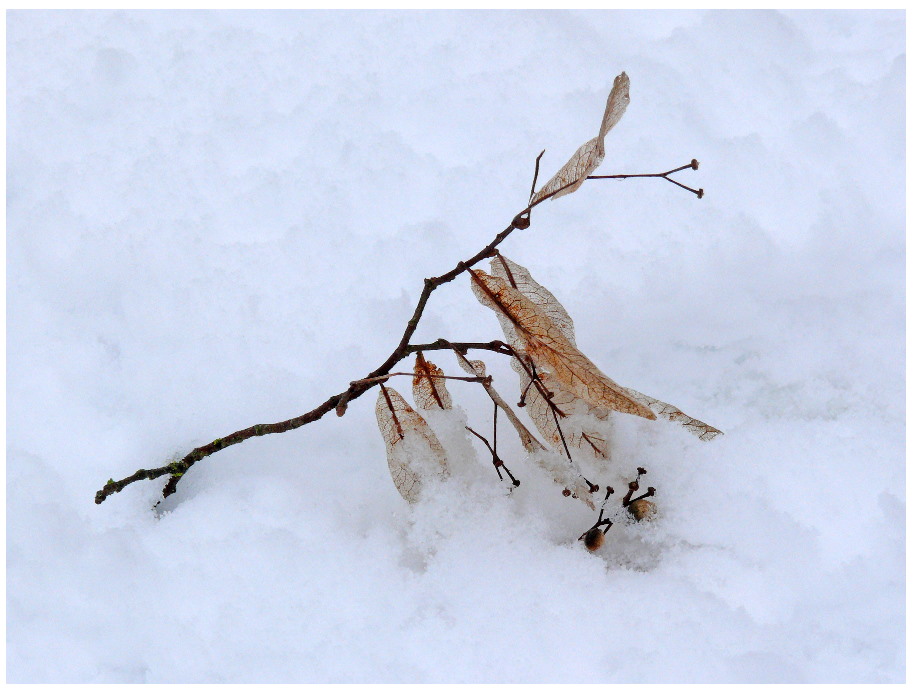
[579, 431]
[550, 350]
[522, 279]
[429, 391]
[576, 417]
[590, 154]
[704, 431]
[477, 368]
[414, 453]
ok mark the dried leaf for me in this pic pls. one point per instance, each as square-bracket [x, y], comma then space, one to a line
[574, 173]
[477, 368]
[617, 102]
[576, 417]
[522, 279]
[550, 350]
[590, 154]
[429, 391]
[704, 431]
[579, 430]
[414, 453]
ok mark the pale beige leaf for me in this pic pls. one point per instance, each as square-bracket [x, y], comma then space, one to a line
[704, 431]
[579, 431]
[617, 102]
[573, 174]
[414, 453]
[590, 154]
[551, 351]
[522, 280]
[429, 390]
[577, 418]
[477, 368]
[565, 473]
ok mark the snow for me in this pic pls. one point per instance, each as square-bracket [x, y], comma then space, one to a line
[216, 220]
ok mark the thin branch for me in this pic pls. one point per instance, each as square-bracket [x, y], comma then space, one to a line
[528, 440]
[340, 401]
[693, 164]
[496, 460]
[379, 379]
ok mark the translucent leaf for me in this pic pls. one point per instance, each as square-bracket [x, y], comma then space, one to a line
[582, 163]
[521, 278]
[477, 368]
[590, 154]
[576, 417]
[414, 453]
[550, 351]
[617, 102]
[429, 391]
[579, 430]
[704, 431]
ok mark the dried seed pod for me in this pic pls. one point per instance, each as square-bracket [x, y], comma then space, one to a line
[594, 539]
[642, 509]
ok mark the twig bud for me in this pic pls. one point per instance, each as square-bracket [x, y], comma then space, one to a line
[694, 164]
[522, 221]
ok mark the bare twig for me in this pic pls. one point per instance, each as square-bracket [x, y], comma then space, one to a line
[340, 401]
[496, 460]
[379, 379]
[693, 164]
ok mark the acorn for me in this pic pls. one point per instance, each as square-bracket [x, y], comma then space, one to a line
[642, 509]
[594, 539]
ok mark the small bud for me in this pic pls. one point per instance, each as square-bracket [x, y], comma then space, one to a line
[497, 462]
[566, 493]
[521, 222]
[516, 482]
[594, 539]
[642, 509]
[641, 470]
[694, 164]
[633, 486]
[701, 193]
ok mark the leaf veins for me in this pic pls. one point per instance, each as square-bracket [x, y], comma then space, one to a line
[521, 278]
[429, 390]
[590, 154]
[551, 351]
[414, 452]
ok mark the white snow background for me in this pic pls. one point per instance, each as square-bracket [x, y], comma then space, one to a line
[220, 219]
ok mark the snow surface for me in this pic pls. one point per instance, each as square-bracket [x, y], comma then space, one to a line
[216, 220]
